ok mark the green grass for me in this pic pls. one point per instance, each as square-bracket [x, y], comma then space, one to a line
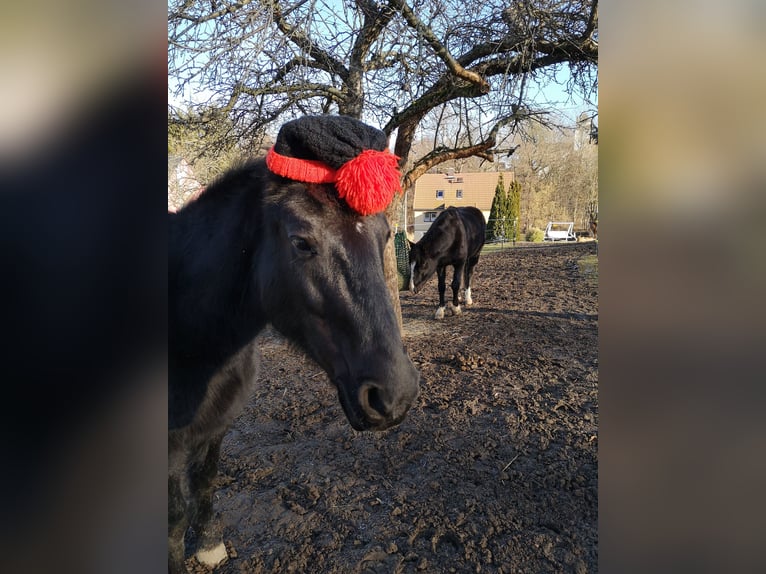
[588, 265]
[493, 247]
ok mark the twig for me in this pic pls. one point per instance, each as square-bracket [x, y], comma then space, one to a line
[510, 463]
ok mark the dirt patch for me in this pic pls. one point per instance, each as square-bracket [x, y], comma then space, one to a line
[494, 469]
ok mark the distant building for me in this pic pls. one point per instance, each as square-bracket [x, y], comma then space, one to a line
[182, 184]
[434, 192]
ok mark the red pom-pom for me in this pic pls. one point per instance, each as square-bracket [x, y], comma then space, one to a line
[369, 181]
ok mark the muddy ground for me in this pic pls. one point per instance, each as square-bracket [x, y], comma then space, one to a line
[494, 469]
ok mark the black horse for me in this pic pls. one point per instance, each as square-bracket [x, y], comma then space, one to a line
[256, 248]
[455, 238]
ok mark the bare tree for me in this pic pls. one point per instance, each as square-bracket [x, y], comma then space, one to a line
[558, 176]
[395, 62]
[465, 68]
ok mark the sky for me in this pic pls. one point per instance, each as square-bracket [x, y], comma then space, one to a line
[554, 95]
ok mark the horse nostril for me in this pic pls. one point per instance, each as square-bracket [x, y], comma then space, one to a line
[371, 399]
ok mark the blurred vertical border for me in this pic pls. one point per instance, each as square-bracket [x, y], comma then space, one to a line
[83, 269]
[682, 283]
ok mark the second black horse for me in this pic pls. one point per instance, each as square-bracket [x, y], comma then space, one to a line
[455, 238]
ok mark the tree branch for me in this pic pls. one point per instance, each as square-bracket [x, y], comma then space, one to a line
[483, 149]
[305, 90]
[296, 62]
[302, 41]
[439, 49]
[230, 9]
[375, 21]
[592, 22]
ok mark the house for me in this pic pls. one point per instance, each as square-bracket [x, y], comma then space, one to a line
[434, 192]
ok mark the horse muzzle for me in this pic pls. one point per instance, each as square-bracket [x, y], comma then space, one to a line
[373, 407]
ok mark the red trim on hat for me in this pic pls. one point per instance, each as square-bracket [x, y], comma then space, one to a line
[306, 170]
[366, 182]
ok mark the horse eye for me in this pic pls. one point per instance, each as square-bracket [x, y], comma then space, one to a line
[302, 245]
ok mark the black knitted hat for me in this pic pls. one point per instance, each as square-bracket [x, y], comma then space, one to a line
[339, 150]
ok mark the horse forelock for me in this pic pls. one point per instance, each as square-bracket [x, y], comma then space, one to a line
[324, 193]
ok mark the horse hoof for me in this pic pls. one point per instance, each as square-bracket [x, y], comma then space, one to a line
[439, 313]
[468, 299]
[214, 556]
[456, 310]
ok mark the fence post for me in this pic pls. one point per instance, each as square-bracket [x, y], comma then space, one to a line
[515, 224]
[502, 234]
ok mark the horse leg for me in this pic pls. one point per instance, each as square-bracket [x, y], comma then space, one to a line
[210, 548]
[441, 275]
[468, 273]
[457, 278]
[178, 522]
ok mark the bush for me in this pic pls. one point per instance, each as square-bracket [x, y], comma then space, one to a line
[535, 235]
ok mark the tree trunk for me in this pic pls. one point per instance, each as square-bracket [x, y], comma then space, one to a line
[389, 262]
[410, 209]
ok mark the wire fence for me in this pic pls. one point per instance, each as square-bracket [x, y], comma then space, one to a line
[499, 231]
[502, 232]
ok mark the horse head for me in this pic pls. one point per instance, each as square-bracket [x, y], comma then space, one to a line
[321, 283]
[422, 265]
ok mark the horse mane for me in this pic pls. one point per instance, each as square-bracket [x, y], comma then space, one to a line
[241, 176]
[211, 244]
[253, 173]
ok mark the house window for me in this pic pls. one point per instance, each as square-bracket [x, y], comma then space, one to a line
[439, 194]
[429, 216]
[459, 193]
